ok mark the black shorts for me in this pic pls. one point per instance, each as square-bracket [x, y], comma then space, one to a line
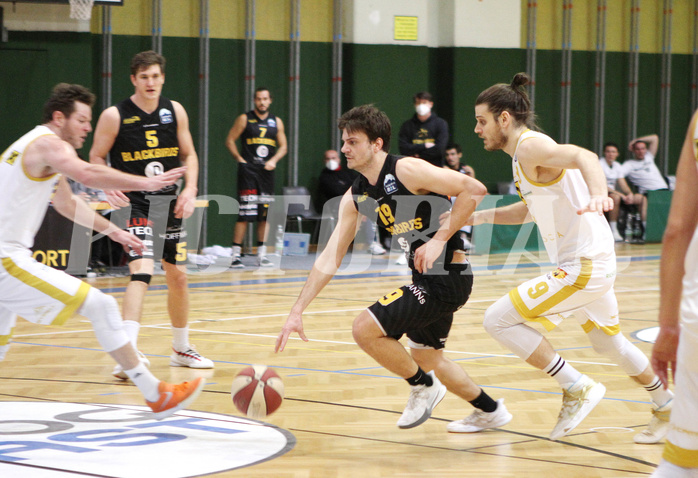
[424, 309]
[159, 230]
[255, 191]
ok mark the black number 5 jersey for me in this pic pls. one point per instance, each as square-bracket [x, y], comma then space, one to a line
[146, 144]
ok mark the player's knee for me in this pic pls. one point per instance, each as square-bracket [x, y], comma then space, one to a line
[618, 349]
[177, 279]
[103, 312]
[364, 329]
[500, 316]
[145, 278]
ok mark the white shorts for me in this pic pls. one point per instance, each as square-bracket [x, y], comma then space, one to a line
[584, 288]
[682, 440]
[36, 292]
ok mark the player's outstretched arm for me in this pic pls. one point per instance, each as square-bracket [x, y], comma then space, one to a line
[325, 267]
[77, 210]
[681, 225]
[282, 146]
[542, 153]
[186, 200]
[234, 133]
[421, 177]
[103, 139]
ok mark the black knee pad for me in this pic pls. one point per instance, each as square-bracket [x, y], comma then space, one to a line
[141, 278]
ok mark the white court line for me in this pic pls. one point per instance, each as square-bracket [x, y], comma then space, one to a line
[168, 326]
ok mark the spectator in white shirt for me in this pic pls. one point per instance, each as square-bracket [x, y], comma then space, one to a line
[618, 188]
[642, 172]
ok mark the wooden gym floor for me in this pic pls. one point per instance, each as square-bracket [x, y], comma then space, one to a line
[340, 405]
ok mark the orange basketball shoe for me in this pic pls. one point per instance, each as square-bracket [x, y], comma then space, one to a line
[175, 397]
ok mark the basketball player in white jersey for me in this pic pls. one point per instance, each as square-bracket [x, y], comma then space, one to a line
[563, 189]
[30, 169]
[678, 316]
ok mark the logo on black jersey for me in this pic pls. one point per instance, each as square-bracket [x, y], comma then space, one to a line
[131, 120]
[165, 116]
[271, 122]
[390, 184]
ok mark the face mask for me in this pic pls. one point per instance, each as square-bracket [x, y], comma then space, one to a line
[422, 109]
[332, 164]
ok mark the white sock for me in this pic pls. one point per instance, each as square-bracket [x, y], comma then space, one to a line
[180, 338]
[236, 251]
[614, 225]
[145, 381]
[132, 328]
[262, 251]
[659, 395]
[565, 374]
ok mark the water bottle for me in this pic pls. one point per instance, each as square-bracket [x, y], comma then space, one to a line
[279, 244]
[637, 229]
[629, 227]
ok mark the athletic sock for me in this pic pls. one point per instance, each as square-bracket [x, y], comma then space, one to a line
[564, 373]
[659, 395]
[484, 402]
[180, 338]
[132, 328]
[420, 378]
[145, 381]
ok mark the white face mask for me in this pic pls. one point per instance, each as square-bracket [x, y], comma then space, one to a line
[332, 164]
[422, 109]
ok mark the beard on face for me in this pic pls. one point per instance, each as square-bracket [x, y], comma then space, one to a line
[498, 141]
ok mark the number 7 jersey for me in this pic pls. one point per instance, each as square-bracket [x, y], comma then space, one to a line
[146, 144]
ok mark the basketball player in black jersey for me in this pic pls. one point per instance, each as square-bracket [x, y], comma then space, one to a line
[406, 196]
[263, 144]
[148, 134]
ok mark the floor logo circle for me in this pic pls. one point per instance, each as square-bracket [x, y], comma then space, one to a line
[41, 440]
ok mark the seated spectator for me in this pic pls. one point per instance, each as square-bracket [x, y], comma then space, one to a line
[642, 172]
[618, 188]
[454, 154]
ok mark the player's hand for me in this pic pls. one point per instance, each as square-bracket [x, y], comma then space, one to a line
[270, 165]
[116, 199]
[597, 204]
[185, 205]
[294, 323]
[629, 199]
[427, 254]
[129, 241]
[664, 353]
[167, 178]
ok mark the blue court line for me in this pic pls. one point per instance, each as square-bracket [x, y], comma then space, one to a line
[341, 372]
[367, 275]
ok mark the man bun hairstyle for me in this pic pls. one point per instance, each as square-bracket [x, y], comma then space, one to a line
[63, 98]
[512, 98]
[369, 120]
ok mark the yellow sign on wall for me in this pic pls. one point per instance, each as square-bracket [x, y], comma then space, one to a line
[405, 28]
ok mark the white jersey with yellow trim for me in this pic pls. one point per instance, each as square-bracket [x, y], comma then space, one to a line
[689, 302]
[567, 236]
[23, 199]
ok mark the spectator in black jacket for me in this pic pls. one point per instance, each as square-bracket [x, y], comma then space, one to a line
[425, 135]
[334, 179]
